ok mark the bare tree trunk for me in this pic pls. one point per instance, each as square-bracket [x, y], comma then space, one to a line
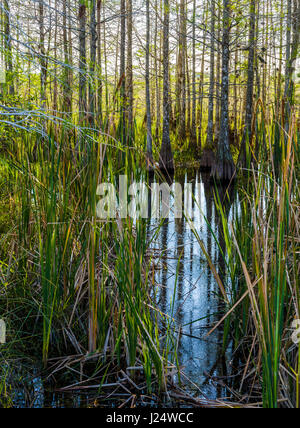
[105, 60]
[279, 83]
[182, 72]
[82, 61]
[100, 77]
[157, 71]
[66, 81]
[210, 126]
[148, 98]
[8, 49]
[166, 156]
[201, 85]
[129, 72]
[43, 62]
[193, 135]
[292, 54]
[70, 43]
[188, 94]
[93, 48]
[247, 135]
[224, 168]
[218, 78]
[122, 72]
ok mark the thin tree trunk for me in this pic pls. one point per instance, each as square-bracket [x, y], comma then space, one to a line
[218, 110]
[82, 61]
[224, 168]
[148, 98]
[100, 85]
[55, 90]
[166, 156]
[93, 48]
[66, 80]
[193, 135]
[201, 86]
[157, 71]
[182, 72]
[247, 135]
[122, 71]
[210, 126]
[8, 49]
[43, 63]
[129, 72]
[292, 54]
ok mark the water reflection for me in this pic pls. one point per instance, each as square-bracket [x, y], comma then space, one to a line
[198, 301]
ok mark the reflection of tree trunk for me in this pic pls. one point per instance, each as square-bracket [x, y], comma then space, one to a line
[164, 247]
[209, 204]
[226, 197]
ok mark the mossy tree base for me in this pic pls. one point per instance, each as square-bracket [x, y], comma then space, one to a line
[223, 171]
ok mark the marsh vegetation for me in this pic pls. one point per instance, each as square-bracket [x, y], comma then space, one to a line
[129, 311]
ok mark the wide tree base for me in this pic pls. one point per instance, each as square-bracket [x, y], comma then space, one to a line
[223, 171]
[208, 159]
[166, 160]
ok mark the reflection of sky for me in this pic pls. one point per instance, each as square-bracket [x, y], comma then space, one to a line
[197, 306]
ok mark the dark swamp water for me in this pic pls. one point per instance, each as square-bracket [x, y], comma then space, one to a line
[182, 274]
[186, 278]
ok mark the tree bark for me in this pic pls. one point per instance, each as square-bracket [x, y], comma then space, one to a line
[291, 59]
[8, 49]
[148, 98]
[122, 72]
[210, 126]
[100, 85]
[247, 135]
[129, 73]
[66, 81]
[181, 108]
[43, 62]
[93, 49]
[193, 135]
[82, 61]
[224, 169]
[166, 160]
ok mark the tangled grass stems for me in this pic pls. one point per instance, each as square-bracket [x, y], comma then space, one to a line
[88, 280]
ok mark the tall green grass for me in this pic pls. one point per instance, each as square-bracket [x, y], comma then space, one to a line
[262, 258]
[89, 280]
